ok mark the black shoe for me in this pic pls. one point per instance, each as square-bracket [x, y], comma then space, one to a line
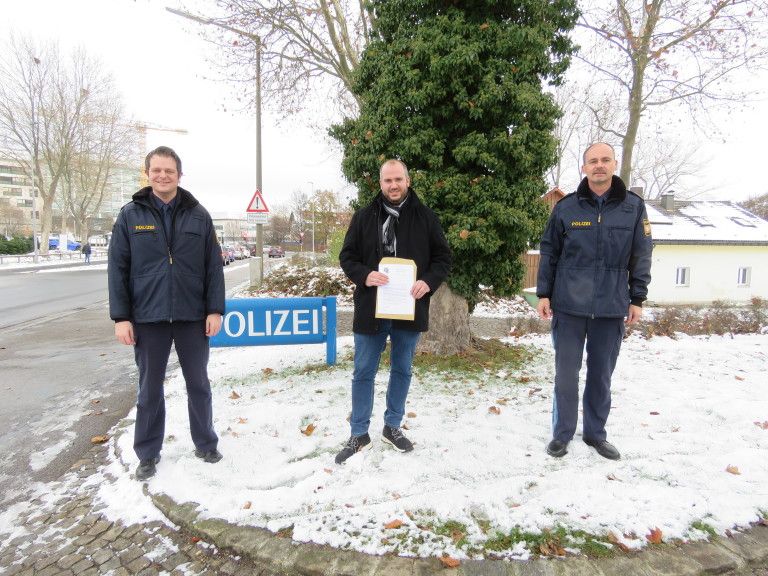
[210, 456]
[557, 448]
[395, 437]
[146, 468]
[352, 447]
[604, 448]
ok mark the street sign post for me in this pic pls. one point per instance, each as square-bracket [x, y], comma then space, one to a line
[257, 213]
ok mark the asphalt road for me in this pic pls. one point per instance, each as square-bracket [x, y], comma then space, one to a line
[63, 377]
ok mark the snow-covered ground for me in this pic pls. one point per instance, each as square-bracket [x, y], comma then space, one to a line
[689, 416]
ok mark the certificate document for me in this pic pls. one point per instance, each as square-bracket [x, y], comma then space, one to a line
[394, 300]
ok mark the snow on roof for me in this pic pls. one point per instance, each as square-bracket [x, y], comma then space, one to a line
[706, 222]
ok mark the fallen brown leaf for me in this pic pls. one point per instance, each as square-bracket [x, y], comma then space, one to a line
[194, 539]
[502, 401]
[99, 439]
[247, 505]
[95, 401]
[411, 415]
[234, 395]
[613, 477]
[732, 469]
[308, 430]
[655, 536]
[242, 420]
[739, 377]
[763, 425]
[494, 410]
[327, 470]
[393, 524]
[613, 539]
[409, 514]
[450, 562]
[267, 371]
[533, 391]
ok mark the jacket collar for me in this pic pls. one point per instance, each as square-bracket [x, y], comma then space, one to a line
[618, 191]
[184, 198]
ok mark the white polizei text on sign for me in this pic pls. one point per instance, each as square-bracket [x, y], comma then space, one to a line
[274, 322]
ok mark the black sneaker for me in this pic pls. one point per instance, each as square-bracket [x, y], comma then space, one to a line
[557, 449]
[352, 447]
[210, 456]
[395, 437]
[604, 448]
[147, 468]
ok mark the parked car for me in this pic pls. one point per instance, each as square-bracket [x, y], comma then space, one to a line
[227, 255]
[72, 245]
[276, 252]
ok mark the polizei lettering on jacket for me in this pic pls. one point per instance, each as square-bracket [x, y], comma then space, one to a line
[272, 323]
[581, 223]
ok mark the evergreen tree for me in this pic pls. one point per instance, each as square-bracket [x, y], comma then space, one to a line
[455, 90]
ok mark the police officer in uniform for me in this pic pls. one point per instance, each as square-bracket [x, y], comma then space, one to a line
[166, 286]
[593, 278]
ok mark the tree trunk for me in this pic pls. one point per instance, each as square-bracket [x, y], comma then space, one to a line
[46, 223]
[448, 324]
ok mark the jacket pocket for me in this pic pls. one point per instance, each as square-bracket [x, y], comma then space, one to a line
[617, 247]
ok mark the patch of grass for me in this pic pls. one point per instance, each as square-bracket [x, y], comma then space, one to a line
[702, 526]
[483, 355]
[551, 542]
[454, 530]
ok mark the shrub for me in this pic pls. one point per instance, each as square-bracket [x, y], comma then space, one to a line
[16, 245]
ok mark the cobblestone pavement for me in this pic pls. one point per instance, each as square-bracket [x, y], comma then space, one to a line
[65, 534]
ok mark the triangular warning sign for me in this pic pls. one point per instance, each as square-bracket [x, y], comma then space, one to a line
[257, 203]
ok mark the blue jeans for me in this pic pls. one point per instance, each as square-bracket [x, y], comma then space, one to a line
[368, 349]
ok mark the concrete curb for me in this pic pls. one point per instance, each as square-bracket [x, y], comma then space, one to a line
[284, 557]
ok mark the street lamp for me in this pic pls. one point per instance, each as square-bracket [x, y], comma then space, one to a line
[257, 39]
[35, 243]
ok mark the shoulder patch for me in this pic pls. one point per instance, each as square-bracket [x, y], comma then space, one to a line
[647, 226]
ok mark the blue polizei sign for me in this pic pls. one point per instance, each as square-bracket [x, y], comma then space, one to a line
[277, 321]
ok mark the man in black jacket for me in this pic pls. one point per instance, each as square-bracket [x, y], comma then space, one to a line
[594, 272]
[166, 285]
[397, 224]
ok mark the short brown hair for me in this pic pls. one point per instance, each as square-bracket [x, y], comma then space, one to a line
[163, 151]
[395, 161]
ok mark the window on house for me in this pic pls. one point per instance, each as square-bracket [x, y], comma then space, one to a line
[744, 276]
[743, 222]
[683, 277]
[701, 220]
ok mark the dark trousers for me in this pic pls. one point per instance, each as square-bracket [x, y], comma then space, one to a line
[603, 337]
[153, 346]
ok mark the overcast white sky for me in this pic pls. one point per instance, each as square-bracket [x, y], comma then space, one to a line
[160, 64]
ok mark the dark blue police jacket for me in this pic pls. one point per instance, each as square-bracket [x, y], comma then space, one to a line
[155, 278]
[596, 261]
